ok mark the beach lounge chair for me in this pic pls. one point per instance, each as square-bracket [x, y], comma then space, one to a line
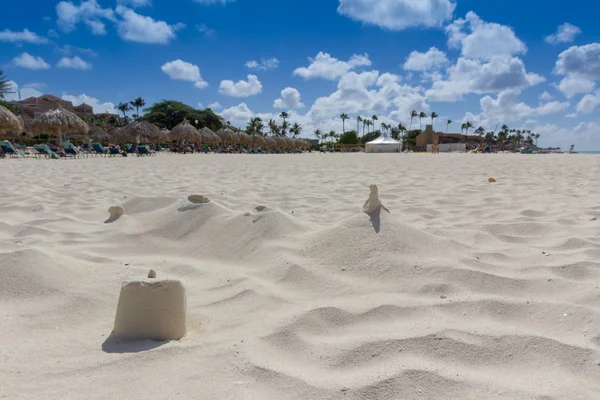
[98, 149]
[144, 151]
[44, 150]
[115, 151]
[71, 150]
[9, 149]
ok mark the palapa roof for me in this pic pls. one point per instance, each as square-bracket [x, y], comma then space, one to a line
[58, 121]
[227, 135]
[143, 129]
[270, 142]
[209, 136]
[9, 121]
[98, 134]
[186, 131]
[258, 140]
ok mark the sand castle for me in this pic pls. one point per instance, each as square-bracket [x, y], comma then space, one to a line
[373, 202]
[151, 309]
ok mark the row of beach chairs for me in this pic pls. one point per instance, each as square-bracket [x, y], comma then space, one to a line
[69, 150]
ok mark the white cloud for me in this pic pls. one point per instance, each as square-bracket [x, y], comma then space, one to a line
[26, 92]
[565, 33]
[483, 40]
[53, 34]
[74, 63]
[22, 37]
[580, 60]
[136, 3]
[28, 61]
[430, 60]
[184, 71]
[327, 67]
[290, 99]
[98, 107]
[89, 12]
[574, 84]
[475, 76]
[241, 88]
[215, 106]
[398, 14]
[208, 32]
[263, 65]
[35, 85]
[237, 115]
[546, 96]
[588, 103]
[134, 27]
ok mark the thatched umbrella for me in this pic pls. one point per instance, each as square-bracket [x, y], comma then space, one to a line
[271, 143]
[137, 129]
[9, 121]
[165, 136]
[209, 136]
[59, 121]
[98, 134]
[289, 142]
[185, 131]
[244, 138]
[227, 135]
[258, 140]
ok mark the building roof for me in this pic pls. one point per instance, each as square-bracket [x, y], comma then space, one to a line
[384, 140]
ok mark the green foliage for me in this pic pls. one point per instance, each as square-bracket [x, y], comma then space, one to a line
[410, 139]
[349, 137]
[169, 113]
[8, 105]
[370, 136]
[137, 104]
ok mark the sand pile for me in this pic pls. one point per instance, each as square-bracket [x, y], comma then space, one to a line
[464, 290]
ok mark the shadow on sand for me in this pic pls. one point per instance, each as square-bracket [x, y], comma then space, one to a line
[116, 345]
[376, 219]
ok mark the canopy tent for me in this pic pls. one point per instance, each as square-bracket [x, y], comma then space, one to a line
[383, 144]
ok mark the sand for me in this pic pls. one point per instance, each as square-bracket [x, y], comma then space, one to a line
[465, 290]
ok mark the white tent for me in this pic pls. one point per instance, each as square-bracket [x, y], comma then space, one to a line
[383, 144]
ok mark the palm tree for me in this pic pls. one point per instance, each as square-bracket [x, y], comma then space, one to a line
[284, 116]
[421, 116]
[331, 135]
[4, 85]
[284, 127]
[536, 136]
[273, 127]
[462, 128]
[255, 125]
[124, 108]
[358, 121]
[434, 115]
[480, 131]
[468, 125]
[364, 121]
[318, 135]
[447, 124]
[373, 119]
[138, 103]
[369, 123]
[344, 117]
[384, 127]
[413, 114]
[296, 129]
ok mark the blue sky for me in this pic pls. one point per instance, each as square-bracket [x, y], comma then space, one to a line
[531, 64]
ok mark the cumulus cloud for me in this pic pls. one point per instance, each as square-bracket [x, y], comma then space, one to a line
[26, 36]
[184, 71]
[546, 96]
[327, 67]
[237, 115]
[134, 27]
[574, 84]
[215, 106]
[263, 65]
[290, 99]
[565, 33]
[430, 60]
[241, 88]
[588, 103]
[26, 92]
[398, 14]
[581, 67]
[98, 106]
[476, 76]
[479, 39]
[73, 63]
[208, 32]
[89, 12]
[28, 61]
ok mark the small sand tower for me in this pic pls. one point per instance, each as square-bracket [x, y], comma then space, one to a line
[151, 309]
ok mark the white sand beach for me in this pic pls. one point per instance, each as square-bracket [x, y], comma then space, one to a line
[465, 290]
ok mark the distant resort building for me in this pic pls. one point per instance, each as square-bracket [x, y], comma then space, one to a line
[447, 141]
[34, 106]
